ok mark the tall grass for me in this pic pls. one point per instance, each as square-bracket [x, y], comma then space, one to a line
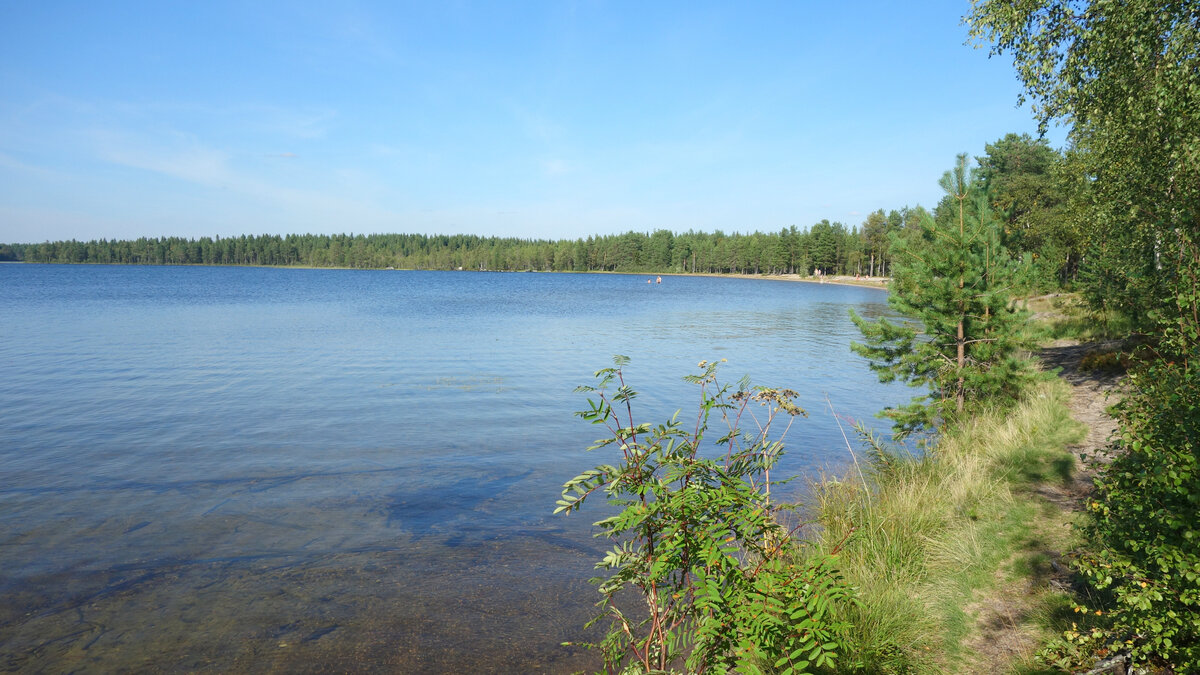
[923, 533]
[1068, 316]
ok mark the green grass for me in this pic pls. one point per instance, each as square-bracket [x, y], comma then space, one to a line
[1068, 316]
[922, 537]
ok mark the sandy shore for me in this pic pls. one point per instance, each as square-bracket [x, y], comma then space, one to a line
[843, 280]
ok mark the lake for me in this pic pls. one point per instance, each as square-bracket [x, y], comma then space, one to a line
[288, 470]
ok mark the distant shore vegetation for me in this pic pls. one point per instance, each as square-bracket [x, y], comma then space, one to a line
[832, 248]
[1026, 182]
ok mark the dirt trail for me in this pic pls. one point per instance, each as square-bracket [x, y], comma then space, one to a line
[1092, 393]
[1004, 636]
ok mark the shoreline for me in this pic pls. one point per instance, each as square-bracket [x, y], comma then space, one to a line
[879, 283]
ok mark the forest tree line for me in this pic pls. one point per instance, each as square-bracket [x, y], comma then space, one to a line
[1024, 177]
[832, 248]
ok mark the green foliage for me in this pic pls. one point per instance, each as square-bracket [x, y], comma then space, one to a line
[1125, 74]
[698, 540]
[1029, 185]
[1122, 275]
[1143, 558]
[1145, 527]
[953, 276]
[840, 249]
[1016, 174]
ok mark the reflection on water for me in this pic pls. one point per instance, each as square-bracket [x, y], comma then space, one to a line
[219, 469]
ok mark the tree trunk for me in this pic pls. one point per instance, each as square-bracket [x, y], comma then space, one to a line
[962, 362]
[962, 310]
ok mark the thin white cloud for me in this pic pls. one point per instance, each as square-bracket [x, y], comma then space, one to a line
[302, 122]
[7, 161]
[185, 158]
[536, 126]
[307, 124]
[31, 225]
[383, 150]
[179, 156]
[360, 32]
[555, 167]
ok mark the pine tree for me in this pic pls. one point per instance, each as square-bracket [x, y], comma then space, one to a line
[951, 279]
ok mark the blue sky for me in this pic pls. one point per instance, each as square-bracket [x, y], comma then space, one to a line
[550, 119]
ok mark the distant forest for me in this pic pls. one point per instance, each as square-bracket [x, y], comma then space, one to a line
[1033, 190]
[832, 248]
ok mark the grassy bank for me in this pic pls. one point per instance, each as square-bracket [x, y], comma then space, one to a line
[933, 543]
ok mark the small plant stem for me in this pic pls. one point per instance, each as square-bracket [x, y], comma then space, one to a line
[853, 455]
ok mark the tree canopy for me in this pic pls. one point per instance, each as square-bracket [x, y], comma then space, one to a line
[953, 275]
[833, 248]
[1125, 75]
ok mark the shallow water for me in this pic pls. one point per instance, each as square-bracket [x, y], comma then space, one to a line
[213, 469]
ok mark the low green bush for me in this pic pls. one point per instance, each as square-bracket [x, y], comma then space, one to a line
[1144, 555]
[713, 574]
